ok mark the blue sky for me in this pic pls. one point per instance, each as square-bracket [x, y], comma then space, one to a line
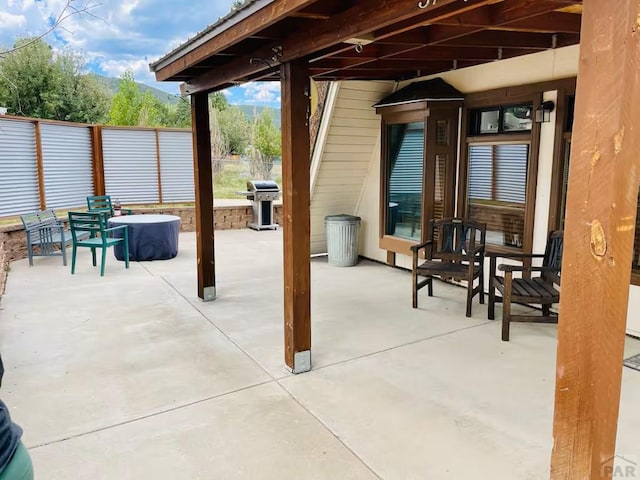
[126, 34]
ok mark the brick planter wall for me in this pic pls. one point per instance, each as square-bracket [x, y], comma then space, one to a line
[13, 243]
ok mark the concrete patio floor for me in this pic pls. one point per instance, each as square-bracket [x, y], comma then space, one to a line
[130, 376]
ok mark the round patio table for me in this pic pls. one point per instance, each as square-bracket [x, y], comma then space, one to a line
[151, 237]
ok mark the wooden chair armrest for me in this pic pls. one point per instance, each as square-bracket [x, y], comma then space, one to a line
[417, 248]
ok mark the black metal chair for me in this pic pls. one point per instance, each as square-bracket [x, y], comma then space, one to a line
[455, 249]
[541, 289]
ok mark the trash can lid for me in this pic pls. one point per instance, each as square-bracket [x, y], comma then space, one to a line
[343, 217]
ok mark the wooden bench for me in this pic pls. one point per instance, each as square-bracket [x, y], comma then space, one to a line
[46, 232]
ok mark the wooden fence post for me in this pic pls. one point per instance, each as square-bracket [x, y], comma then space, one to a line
[98, 160]
[159, 166]
[40, 166]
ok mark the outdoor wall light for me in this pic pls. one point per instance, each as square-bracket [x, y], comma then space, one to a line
[543, 112]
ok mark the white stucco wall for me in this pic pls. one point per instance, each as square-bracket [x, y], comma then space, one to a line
[540, 67]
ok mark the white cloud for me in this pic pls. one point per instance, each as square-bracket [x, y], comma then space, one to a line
[128, 7]
[11, 21]
[115, 68]
[261, 92]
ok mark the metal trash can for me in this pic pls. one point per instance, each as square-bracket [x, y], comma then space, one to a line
[342, 239]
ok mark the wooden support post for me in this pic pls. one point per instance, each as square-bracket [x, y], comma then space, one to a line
[203, 180]
[601, 214]
[296, 219]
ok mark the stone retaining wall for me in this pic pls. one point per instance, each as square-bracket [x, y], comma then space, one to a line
[13, 243]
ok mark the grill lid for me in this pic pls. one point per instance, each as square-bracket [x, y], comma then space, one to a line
[262, 186]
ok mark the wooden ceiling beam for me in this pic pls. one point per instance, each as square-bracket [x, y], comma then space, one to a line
[376, 51]
[437, 52]
[252, 25]
[311, 15]
[500, 39]
[375, 74]
[506, 12]
[552, 22]
[468, 53]
[423, 20]
[362, 74]
[387, 64]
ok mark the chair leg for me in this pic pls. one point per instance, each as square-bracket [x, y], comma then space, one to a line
[104, 259]
[63, 247]
[73, 259]
[430, 287]
[126, 249]
[506, 315]
[491, 311]
[93, 256]
[30, 253]
[481, 282]
[415, 289]
[469, 298]
[546, 310]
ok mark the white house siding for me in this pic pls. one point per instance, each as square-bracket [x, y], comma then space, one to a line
[347, 155]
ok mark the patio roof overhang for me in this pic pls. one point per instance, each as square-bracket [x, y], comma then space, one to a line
[364, 40]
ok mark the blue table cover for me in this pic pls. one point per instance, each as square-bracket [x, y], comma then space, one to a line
[151, 237]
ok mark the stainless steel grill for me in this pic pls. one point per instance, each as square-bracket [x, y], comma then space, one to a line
[262, 194]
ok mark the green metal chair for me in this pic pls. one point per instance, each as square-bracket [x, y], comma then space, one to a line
[102, 203]
[100, 236]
